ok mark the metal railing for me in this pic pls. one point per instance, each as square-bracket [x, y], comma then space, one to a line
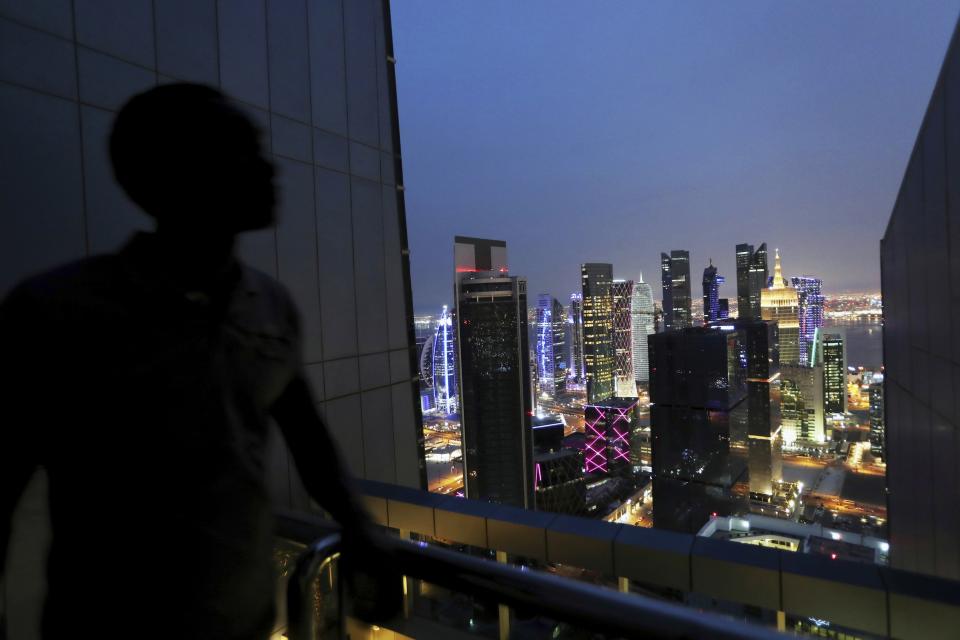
[599, 609]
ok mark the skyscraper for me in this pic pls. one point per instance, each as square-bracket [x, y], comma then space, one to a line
[832, 353]
[765, 441]
[675, 276]
[625, 382]
[598, 351]
[810, 312]
[801, 404]
[642, 319]
[666, 285]
[711, 294]
[921, 283]
[444, 361]
[576, 348]
[744, 256]
[751, 280]
[877, 430]
[495, 402]
[558, 481]
[551, 330]
[698, 422]
[779, 303]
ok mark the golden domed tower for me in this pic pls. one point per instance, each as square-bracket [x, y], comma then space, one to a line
[779, 302]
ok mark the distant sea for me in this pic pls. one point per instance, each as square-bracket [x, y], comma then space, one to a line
[864, 344]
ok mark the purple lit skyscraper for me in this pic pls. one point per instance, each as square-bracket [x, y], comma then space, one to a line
[810, 312]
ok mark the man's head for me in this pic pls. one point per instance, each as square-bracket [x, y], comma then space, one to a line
[192, 160]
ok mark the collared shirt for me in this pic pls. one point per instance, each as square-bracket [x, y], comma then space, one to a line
[148, 407]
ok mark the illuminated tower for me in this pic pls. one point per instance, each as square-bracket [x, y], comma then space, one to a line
[779, 303]
[711, 294]
[576, 348]
[832, 353]
[598, 352]
[642, 319]
[675, 279]
[551, 327]
[625, 384]
[444, 361]
[751, 280]
[877, 430]
[495, 402]
[810, 312]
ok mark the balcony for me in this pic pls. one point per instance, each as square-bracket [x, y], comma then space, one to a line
[474, 569]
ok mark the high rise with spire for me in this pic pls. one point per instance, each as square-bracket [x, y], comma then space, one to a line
[642, 318]
[779, 302]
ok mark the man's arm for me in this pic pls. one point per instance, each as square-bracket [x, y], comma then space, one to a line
[18, 451]
[317, 460]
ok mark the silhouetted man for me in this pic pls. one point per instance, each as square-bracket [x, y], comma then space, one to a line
[142, 381]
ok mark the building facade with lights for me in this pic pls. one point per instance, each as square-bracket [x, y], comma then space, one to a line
[575, 318]
[445, 364]
[751, 280]
[625, 380]
[675, 282]
[779, 303]
[551, 328]
[831, 354]
[610, 430]
[642, 314]
[598, 351]
[711, 295]
[699, 425]
[494, 367]
[810, 313]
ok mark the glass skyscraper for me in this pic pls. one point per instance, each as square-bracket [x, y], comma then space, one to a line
[810, 313]
[495, 396]
[832, 353]
[675, 280]
[576, 346]
[598, 351]
[642, 319]
[551, 329]
[698, 424]
[711, 294]
[625, 382]
[444, 360]
[751, 280]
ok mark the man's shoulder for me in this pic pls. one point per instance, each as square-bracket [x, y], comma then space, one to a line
[65, 281]
[270, 292]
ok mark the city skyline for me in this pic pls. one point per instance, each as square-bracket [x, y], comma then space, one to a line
[819, 131]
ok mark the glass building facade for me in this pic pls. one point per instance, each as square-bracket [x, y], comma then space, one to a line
[711, 295]
[551, 329]
[751, 279]
[675, 281]
[598, 350]
[699, 426]
[642, 320]
[495, 390]
[832, 354]
[625, 381]
[575, 318]
[810, 312]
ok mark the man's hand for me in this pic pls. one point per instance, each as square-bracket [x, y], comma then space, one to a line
[373, 581]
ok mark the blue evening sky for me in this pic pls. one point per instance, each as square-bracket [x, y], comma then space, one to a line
[609, 131]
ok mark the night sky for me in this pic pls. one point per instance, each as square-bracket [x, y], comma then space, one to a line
[611, 131]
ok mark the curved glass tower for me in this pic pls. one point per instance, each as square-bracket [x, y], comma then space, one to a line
[642, 318]
[445, 365]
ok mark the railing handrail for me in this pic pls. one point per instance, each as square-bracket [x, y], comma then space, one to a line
[598, 609]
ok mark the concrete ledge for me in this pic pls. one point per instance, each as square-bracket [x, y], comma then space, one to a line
[660, 558]
[811, 588]
[736, 572]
